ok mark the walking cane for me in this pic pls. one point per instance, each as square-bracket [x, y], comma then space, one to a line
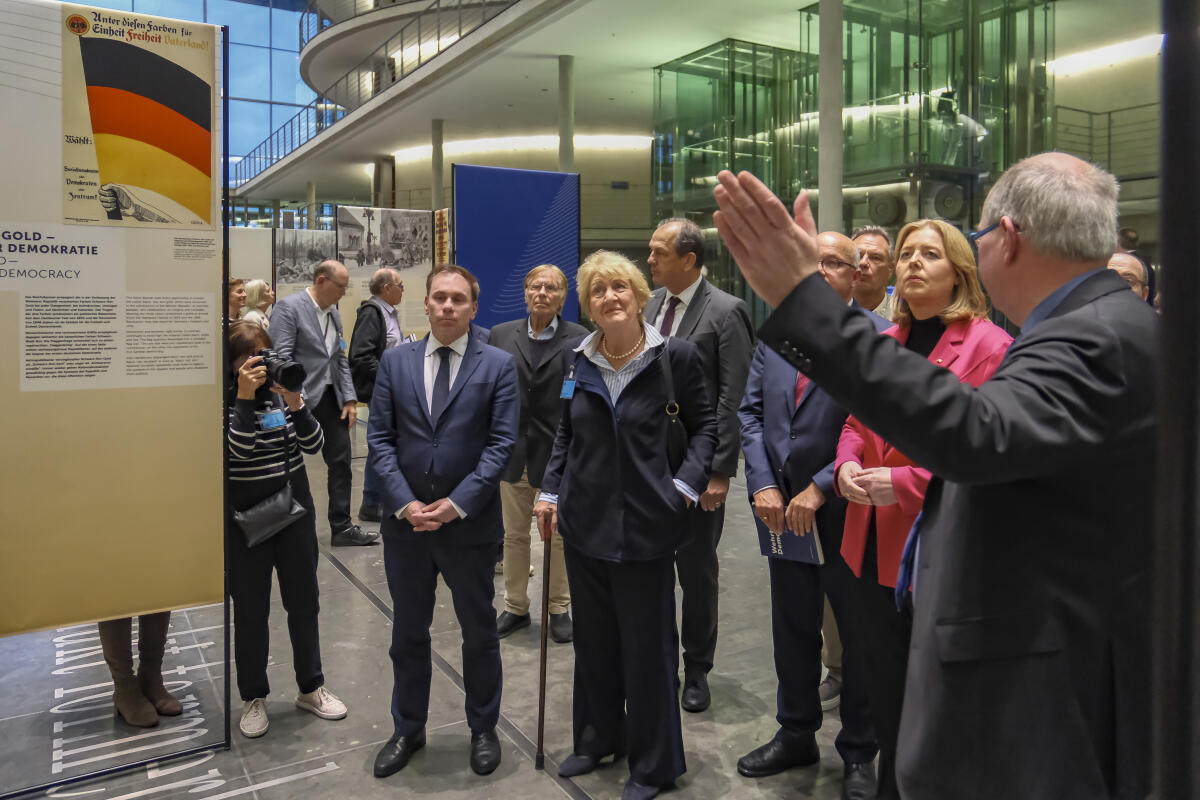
[539, 761]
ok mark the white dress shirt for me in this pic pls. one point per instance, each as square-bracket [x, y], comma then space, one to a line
[325, 323]
[432, 362]
[685, 297]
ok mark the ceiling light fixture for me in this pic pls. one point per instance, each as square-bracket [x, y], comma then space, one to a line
[1107, 56]
[502, 144]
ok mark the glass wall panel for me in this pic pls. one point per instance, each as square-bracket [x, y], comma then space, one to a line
[248, 23]
[939, 97]
[285, 29]
[249, 72]
[176, 9]
[249, 124]
[286, 86]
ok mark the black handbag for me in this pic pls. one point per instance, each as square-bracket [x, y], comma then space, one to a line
[268, 517]
[677, 437]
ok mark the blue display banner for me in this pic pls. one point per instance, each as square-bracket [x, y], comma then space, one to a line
[506, 222]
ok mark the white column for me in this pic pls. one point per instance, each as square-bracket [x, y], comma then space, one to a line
[437, 201]
[566, 113]
[829, 109]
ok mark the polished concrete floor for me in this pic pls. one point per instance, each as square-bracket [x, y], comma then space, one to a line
[55, 711]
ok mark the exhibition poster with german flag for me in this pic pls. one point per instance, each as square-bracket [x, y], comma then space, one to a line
[138, 104]
[111, 259]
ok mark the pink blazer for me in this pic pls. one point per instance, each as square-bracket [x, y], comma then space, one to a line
[971, 349]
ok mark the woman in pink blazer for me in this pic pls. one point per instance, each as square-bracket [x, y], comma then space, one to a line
[941, 314]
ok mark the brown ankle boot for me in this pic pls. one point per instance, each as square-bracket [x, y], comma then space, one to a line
[152, 641]
[128, 701]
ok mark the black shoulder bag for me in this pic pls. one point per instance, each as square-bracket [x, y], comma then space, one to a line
[677, 437]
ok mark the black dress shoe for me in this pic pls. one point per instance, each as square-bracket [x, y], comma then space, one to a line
[696, 697]
[396, 753]
[485, 752]
[638, 791]
[576, 764]
[858, 781]
[777, 755]
[561, 629]
[354, 536]
[368, 513]
[508, 623]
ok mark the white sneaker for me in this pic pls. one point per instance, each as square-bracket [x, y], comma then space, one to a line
[254, 718]
[323, 703]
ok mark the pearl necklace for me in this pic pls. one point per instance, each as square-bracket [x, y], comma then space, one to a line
[637, 346]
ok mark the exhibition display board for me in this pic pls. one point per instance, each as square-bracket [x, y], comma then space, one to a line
[111, 247]
[508, 221]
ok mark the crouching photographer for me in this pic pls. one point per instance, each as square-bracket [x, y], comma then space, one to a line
[271, 524]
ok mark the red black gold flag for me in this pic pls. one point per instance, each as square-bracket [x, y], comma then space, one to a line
[152, 122]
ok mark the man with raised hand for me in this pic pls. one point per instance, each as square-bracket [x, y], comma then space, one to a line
[1031, 562]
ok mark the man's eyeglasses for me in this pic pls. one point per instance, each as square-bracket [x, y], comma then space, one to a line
[835, 263]
[975, 236]
[548, 288]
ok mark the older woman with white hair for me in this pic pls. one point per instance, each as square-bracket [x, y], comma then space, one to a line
[259, 299]
[618, 489]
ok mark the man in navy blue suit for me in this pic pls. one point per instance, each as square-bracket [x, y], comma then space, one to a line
[444, 418]
[790, 431]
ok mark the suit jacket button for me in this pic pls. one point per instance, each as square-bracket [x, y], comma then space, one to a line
[793, 436]
[435, 442]
[806, 365]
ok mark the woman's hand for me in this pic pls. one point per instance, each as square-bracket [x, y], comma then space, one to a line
[877, 483]
[293, 399]
[251, 375]
[850, 485]
[547, 518]
[768, 506]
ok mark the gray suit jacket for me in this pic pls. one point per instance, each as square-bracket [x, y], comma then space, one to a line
[719, 325]
[298, 335]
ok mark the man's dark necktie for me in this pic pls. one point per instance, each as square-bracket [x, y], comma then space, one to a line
[441, 383]
[669, 317]
[801, 385]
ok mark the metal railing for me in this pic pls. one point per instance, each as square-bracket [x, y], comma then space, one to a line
[322, 14]
[438, 26]
[1123, 141]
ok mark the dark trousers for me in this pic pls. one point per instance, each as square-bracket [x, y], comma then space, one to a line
[371, 483]
[292, 554]
[626, 664]
[696, 564]
[336, 453]
[885, 635]
[797, 609]
[413, 561]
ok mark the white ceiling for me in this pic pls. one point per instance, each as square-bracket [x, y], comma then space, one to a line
[512, 90]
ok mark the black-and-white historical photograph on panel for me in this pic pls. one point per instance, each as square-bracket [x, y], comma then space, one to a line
[298, 252]
[370, 238]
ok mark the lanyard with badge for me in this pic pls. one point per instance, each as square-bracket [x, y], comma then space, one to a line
[274, 419]
[568, 387]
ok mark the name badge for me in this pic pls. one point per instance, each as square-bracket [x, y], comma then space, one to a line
[568, 390]
[342, 344]
[274, 419]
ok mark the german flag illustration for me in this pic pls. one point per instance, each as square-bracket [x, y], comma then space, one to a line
[152, 122]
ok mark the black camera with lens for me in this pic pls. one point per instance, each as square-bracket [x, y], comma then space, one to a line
[287, 373]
